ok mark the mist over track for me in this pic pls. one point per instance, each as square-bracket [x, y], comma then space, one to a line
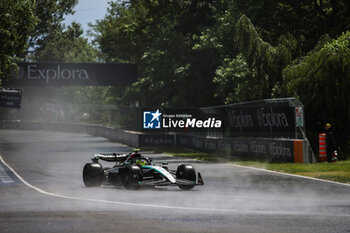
[233, 199]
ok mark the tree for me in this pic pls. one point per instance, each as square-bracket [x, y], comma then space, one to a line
[67, 45]
[28, 24]
[50, 15]
[306, 21]
[17, 23]
[159, 36]
[264, 59]
[235, 81]
[321, 80]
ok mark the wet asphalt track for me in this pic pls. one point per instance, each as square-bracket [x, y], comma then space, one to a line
[233, 199]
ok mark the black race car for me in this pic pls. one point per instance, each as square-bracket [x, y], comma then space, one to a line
[133, 171]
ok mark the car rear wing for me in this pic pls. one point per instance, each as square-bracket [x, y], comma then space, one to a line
[109, 157]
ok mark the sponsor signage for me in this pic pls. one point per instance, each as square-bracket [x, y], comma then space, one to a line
[157, 140]
[10, 98]
[272, 149]
[158, 120]
[299, 117]
[268, 120]
[80, 74]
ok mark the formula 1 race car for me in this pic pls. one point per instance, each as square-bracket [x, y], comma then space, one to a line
[133, 171]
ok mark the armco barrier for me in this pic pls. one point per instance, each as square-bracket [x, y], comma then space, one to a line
[285, 150]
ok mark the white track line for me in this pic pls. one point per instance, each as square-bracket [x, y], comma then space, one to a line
[288, 174]
[151, 205]
[4, 177]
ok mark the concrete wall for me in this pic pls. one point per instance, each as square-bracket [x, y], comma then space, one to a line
[129, 138]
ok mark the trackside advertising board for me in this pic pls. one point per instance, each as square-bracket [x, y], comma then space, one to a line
[271, 149]
[10, 98]
[79, 74]
[268, 120]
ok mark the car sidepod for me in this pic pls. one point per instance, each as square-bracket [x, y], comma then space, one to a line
[164, 173]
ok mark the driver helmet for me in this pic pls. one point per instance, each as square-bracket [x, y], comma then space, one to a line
[141, 162]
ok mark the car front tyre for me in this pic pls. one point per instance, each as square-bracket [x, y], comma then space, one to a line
[186, 172]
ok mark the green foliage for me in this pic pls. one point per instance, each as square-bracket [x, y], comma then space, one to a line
[118, 35]
[50, 15]
[235, 81]
[28, 23]
[321, 80]
[181, 47]
[159, 36]
[338, 171]
[267, 61]
[16, 24]
[67, 46]
[307, 21]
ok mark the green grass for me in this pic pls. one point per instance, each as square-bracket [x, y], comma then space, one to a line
[338, 171]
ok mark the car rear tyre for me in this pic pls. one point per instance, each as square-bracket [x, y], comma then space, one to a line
[187, 172]
[131, 177]
[93, 175]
